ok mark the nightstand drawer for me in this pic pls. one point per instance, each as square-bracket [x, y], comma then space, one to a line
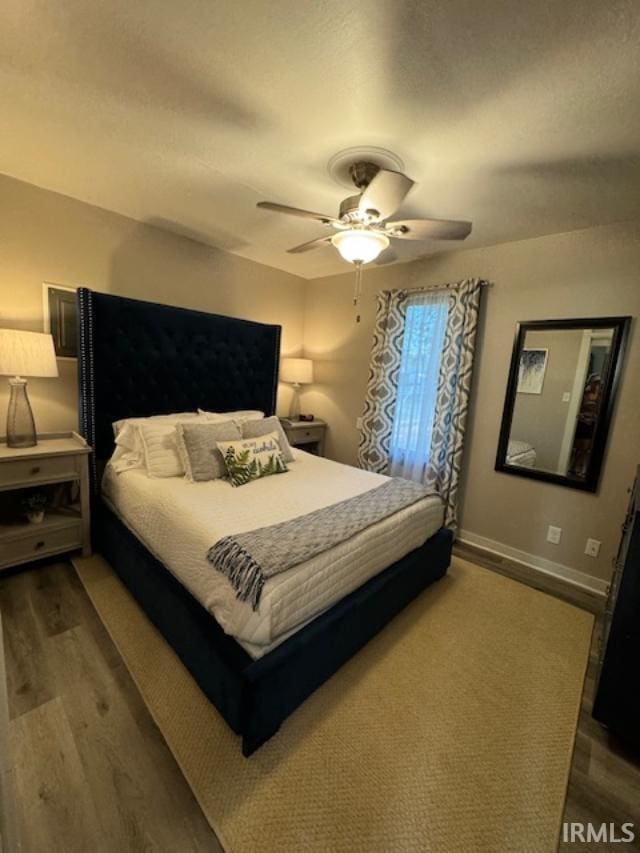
[22, 472]
[39, 543]
[306, 436]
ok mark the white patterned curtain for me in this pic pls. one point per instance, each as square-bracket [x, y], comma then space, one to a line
[425, 324]
[419, 381]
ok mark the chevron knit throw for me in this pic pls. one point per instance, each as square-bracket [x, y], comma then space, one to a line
[249, 559]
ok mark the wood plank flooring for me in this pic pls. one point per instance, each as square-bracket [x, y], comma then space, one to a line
[92, 771]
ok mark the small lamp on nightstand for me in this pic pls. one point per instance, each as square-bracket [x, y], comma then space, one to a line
[296, 371]
[24, 354]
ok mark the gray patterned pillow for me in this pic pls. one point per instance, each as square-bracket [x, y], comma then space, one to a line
[254, 429]
[199, 451]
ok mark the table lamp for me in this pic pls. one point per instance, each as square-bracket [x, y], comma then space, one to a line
[24, 354]
[297, 372]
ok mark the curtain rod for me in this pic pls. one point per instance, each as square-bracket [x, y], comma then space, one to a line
[445, 286]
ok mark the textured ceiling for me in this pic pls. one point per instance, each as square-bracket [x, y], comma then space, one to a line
[521, 116]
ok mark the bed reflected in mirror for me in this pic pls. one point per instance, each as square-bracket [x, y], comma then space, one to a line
[562, 384]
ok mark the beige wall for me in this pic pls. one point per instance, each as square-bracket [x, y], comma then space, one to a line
[541, 419]
[49, 237]
[594, 272]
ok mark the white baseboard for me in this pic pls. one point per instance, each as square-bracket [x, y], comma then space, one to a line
[596, 586]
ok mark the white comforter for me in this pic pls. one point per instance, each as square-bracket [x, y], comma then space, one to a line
[178, 521]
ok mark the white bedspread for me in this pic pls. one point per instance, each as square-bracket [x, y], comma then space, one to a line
[179, 521]
[521, 453]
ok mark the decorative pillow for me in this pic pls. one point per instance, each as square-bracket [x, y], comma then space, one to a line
[119, 426]
[125, 460]
[130, 451]
[253, 429]
[252, 458]
[199, 451]
[240, 416]
[160, 444]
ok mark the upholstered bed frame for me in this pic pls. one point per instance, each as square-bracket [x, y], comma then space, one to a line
[139, 359]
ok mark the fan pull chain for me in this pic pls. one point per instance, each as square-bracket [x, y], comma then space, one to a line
[357, 292]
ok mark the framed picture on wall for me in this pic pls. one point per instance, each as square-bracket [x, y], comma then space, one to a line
[533, 366]
[60, 318]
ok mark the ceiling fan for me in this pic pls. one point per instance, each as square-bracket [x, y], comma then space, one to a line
[362, 227]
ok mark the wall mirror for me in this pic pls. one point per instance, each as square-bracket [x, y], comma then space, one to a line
[560, 394]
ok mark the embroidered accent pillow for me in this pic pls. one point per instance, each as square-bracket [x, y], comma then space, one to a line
[252, 458]
[197, 445]
[160, 448]
[253, 429]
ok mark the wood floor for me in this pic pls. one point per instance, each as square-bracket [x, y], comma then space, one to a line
[92, 772]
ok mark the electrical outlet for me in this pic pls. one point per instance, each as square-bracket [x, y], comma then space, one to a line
[554, 534]
[566, 397]
[592, 548]
[358, 423]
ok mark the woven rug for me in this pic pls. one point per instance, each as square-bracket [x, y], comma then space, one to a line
[452, 730]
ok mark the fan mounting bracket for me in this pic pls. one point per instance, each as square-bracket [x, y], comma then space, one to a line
[340, 165]
[362, 173]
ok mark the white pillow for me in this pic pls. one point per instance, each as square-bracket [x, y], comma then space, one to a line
[160, 445]
[240, 416]
[118, 426]
[129, 452]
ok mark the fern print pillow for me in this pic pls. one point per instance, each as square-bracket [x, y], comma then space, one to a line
[252, 458]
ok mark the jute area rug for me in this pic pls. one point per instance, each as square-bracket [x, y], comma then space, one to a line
[452, 730]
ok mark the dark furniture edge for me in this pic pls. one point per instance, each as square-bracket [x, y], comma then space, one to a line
[256, 696]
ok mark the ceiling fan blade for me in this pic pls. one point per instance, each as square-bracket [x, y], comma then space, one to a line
[295, 211]
[429, 229]
[311, 244]
[385, 193]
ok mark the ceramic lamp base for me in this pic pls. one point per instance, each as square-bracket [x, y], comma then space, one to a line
[294, 408]
[21, 427]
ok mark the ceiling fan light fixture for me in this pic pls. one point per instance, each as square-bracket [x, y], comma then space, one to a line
[358, 246]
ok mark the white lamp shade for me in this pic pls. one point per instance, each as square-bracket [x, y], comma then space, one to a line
[26, 354]
[296, 370]
[359, 247]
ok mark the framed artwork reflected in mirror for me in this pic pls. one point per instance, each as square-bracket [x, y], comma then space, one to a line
[561, 391]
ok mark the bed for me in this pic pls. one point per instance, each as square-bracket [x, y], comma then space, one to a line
[139, 359]
[521, 453]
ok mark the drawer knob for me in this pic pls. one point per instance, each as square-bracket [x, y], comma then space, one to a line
[35, 470]
[38, 545]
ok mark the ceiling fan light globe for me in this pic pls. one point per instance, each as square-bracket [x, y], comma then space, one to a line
[360, 247]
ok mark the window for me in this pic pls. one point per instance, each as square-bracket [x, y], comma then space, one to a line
[424, 330]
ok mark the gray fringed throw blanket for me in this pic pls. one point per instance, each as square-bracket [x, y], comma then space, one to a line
[249, 559]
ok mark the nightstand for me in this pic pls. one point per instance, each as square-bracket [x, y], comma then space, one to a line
[57, 458]
[307, 435]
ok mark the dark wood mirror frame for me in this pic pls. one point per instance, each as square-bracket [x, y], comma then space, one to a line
[589, 483]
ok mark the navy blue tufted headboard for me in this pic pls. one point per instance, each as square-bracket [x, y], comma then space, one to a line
[139, 358]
